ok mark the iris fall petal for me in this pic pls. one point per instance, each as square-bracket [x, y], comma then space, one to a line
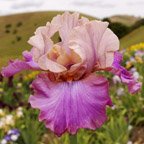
[65, 106]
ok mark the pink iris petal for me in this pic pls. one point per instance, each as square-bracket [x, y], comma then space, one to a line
[107, 46]
[49, 29]
[125, 75]
[92, 41]
[37, 41]
[47, 64]
[41, 45]
[66, 22]
[68, 106]
[95, 44]
[19, 65]
[42, 42]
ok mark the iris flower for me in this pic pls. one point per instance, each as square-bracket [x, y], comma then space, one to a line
[69, 92]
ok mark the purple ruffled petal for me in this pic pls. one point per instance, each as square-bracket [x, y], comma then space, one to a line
[14, 67]
[126, 76]
[29, 60]
[27, 55]
[134, 87]
[68, 106]
[19, 65]
[117, 59]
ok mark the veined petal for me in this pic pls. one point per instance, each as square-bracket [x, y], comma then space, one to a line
[108, 45]
[95, 44]
[14, 67]
[65, 106]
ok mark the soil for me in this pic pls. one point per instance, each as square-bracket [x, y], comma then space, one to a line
[137, 135]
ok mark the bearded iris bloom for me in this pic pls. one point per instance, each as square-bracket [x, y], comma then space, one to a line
[69, 92]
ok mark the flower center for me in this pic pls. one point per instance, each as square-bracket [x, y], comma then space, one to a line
[59, 55]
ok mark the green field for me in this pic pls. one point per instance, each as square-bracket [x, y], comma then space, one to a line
[134, 37]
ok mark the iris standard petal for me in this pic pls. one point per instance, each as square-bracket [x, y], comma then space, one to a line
[37, 41]
[66, 22]
[107, 46]
[49, 30]
[68, 106]
[95, 44]
[41, 44]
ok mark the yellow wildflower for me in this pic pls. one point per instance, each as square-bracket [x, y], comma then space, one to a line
[128, 65]
[138, 59]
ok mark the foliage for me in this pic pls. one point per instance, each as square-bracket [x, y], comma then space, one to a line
[138, 24]
[119, 29]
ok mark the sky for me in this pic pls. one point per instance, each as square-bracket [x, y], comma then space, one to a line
[97, 8]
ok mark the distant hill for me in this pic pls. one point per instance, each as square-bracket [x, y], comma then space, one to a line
[125, 19]
[134, 37]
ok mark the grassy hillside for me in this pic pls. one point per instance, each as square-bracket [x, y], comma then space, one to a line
[15, 31]
[134, 37]
[125, 19]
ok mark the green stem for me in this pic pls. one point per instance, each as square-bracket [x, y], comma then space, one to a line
[73, 139]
